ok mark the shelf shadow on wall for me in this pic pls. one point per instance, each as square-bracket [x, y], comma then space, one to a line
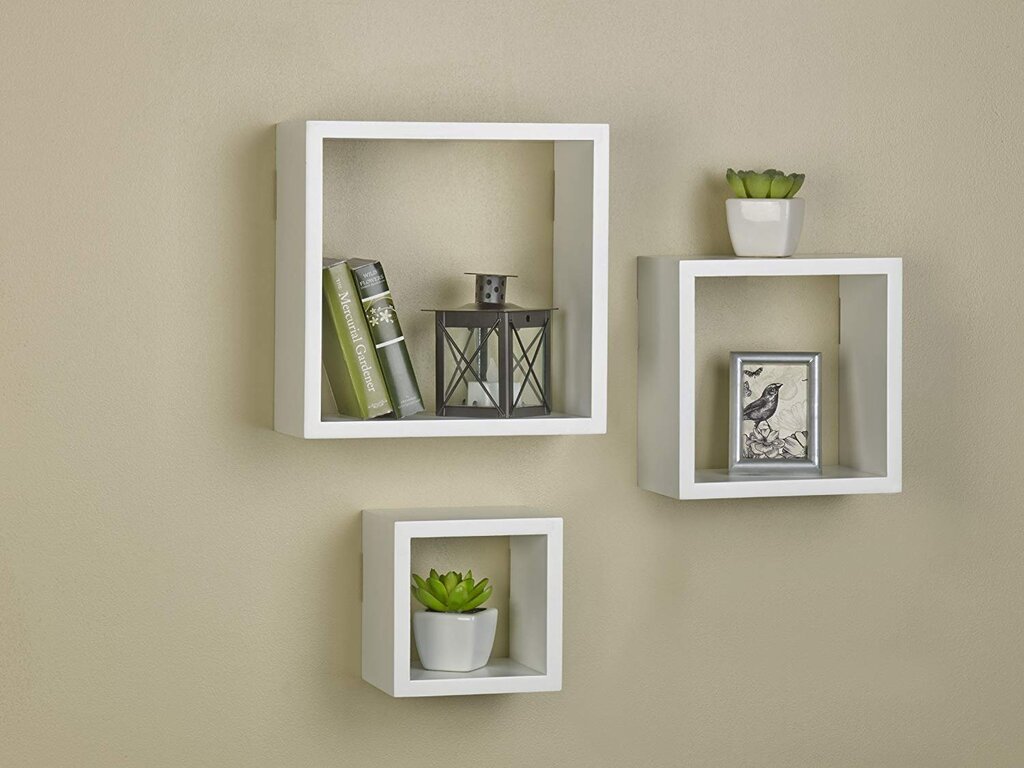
[251, 262]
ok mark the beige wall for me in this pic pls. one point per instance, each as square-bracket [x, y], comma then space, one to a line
[179, 584]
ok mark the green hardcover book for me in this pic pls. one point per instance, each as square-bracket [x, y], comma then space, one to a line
[387, 336]
[353, 369]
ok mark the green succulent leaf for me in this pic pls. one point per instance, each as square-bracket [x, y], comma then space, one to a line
[434, 574]
[438, 589]
[450, 579]
[478, 588]
[781, 186]
[476, 602]
[420, 582]
[758, 184]
[798, 181]
[736, 183]
[458, 597]
[429, 600]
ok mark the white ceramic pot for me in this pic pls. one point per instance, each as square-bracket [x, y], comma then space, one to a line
[454, 642]
[763, 227]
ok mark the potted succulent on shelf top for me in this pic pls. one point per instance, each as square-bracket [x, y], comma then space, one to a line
[455, 633]
[765, 217]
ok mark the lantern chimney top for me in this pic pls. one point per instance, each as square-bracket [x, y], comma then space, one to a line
[490, 289]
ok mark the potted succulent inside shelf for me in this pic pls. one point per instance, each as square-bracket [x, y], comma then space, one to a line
[455, 633]
[764, 218]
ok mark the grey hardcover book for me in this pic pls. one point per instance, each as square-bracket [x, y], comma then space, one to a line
[379, 309]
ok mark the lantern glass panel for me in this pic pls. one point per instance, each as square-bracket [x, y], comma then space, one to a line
[471, 373]
[529, 361]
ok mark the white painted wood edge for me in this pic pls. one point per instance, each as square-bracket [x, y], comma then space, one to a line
[360, 129]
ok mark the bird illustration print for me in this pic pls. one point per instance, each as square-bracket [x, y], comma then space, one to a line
[764, 407]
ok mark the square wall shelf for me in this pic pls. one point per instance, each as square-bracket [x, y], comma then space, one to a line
[579, 278]
[534, 662]
[869, 378]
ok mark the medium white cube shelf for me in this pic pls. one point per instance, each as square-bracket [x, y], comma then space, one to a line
[579, 279]
[535, 600]
[870, 377]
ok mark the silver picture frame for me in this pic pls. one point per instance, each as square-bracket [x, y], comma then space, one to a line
[740, 465]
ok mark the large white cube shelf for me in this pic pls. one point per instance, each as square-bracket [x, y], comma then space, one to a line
[534, 662]
[579, 279]
[869, 386]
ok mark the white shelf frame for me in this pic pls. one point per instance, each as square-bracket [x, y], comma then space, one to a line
[870, 371]
[579, 279]
[535, 600]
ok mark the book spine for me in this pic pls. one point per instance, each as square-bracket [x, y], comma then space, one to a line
[388, 339]
[352, 366]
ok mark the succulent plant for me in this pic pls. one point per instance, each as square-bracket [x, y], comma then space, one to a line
[450, 593]
[770, 183]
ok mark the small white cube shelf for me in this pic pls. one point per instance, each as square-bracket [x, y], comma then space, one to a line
[535, 600]
[579, 279]
[870, 377]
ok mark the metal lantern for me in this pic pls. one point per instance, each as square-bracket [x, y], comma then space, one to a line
[493, 359]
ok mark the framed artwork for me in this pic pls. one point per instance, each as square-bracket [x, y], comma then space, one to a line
[774, 412]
